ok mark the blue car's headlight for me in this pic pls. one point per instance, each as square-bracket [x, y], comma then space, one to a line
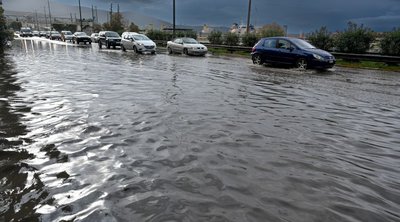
[318, 57]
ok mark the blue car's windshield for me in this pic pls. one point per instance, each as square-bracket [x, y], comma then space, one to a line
[302, 44]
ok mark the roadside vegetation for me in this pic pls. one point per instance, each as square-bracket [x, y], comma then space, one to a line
[390, 44]
[5, 34]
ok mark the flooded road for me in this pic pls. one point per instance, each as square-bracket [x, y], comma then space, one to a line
[102, 135]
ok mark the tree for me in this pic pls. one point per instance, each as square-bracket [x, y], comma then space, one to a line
[5, 34]
[321, 38]
[390, 44]
[271, 30]
[231, 39]
[97, 28]
[15, 25]
[249, 39]
[116, 23]
[215, 37]
[133, 27]
[355, 39]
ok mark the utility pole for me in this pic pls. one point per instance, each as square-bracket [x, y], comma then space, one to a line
[80, 14]
[48, 2]
[92, 14]
[118, 8]
[248, 18]
[71, 18]
[37, 21]
[97, 18]
[174, 24]
[111, 11]
[45, 16]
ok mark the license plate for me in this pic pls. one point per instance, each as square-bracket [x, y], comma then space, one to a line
[330, 61]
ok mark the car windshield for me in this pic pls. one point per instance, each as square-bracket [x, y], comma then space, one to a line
[112, 34]
[67, 33]
[54, 32]
[25, 30]
[190, 41]
[302, 44]
[80, 34]
[140, 37]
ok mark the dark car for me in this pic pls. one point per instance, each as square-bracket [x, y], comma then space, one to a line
[81, 37]
[291, 51]
[26, 32]
[108, 39]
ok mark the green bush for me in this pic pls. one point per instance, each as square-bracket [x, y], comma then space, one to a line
[5, 34]
[390, 43]
[249, 39]
[215, 37]
[271, 30]
[356, 39]
[321, 39]
[231, 39]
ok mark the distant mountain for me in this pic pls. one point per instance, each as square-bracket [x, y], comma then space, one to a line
[29, 7]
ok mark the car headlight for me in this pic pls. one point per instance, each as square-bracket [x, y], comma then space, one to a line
[141, 44]
[318, 57]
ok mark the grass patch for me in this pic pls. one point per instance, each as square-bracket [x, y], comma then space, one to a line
[368, 65]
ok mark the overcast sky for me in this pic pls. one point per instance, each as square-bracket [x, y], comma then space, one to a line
[298, 15]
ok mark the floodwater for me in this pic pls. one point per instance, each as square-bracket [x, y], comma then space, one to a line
[89, 135]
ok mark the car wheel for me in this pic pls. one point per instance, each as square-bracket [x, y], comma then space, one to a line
[185, 51]
[301, 64]
[123, 48]
[257, 59]
[100, 45]
[169, 50]
[135, 49]
[108, 45]
[153, 53]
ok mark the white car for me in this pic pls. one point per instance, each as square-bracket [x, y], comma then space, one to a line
[137, 42]
[187, 46]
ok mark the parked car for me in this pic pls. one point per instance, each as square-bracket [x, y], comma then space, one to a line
[95, 37]
[291, 51]
[66, 36]
[81, 37]
[42, 33]
[108, 39]
[137, 42]
[26, 32]
[36, 33]
[187, 46]
[54, 35]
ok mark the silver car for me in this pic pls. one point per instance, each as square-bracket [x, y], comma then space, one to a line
[95, 37]
[137, 42]
[66, 36]
[187, 46]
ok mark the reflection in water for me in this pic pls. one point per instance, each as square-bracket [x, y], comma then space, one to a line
[21, 189]
[102, 135]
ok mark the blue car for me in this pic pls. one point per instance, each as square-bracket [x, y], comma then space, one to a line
[291, 51]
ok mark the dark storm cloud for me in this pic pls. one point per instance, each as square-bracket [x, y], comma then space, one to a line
[304, 15]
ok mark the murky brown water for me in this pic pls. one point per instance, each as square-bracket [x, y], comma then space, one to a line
[89, 135]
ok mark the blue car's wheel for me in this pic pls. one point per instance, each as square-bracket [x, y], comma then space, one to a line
[257, 59]
[301, 64]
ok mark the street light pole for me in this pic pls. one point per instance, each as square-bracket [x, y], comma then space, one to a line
[248, 18]
[48, 3]
[174, 27]
[80, 14]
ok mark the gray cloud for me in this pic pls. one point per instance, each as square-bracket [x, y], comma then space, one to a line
[304, 15]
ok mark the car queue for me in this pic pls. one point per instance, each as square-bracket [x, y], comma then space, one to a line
[274, 50]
